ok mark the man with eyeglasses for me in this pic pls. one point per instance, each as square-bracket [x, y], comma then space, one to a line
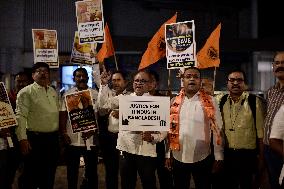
[37, 111]
[194, 115]
[138, 149]
[243, 125]
[275, 98]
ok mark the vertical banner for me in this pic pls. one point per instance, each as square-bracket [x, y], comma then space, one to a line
[45, 47]
[80, 110]
[90, 21]
[180, 45]
[83, 53]
[7, 116]
[144, 113]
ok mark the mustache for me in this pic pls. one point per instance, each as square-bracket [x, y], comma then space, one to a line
[279, 69]
[83, 81]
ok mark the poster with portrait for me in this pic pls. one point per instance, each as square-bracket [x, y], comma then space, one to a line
[7, 116]
[45, 47]
[90, 21]
[80, 110]
[180, 45]
[83, 53]
[144, 113]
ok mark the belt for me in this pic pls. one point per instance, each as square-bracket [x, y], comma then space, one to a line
[43, 133]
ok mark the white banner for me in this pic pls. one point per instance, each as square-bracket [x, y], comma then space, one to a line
[144, 113]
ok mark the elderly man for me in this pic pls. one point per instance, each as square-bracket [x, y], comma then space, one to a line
[275, 98]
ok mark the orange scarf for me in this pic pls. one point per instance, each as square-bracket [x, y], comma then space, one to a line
[208, 109]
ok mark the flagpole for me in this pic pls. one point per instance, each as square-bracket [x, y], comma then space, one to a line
[169, 84]
[214, 78]
[115, 61]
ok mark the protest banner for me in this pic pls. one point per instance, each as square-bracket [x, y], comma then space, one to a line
[180, 45]
[83, 53]
[45, 47]
[144, 113]
[90, 21]
[7, 116]
[80, 110]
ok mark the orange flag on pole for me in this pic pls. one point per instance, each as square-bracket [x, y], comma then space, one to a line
[208, 56]
[107, 49]
[156, 47]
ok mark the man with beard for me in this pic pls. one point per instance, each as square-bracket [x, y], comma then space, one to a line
[38, 122]
[194, 115]
[76, 142]
[108, 122]
[243, 125]
[275, 98]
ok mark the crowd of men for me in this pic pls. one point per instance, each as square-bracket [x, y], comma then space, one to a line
[231, 140]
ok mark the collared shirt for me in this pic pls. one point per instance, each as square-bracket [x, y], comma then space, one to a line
[76, 138]
[275, 98]
[37, 110]
[131, 141]
[194, 132]
[240, 130]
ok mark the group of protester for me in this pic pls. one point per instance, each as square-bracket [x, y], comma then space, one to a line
[221, 141]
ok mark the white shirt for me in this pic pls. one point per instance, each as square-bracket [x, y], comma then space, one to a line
[194, 132]
[76, 138]
[107, 99]
[277, 131]
[131, 141]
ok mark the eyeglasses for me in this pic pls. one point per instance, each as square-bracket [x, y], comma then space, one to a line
[42, 71]
[189, 76]
[142, 81]
[277, 63]
[238, 80]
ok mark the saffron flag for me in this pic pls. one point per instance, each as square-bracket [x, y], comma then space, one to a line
[156, 47]
[208, 56]
[107, 49]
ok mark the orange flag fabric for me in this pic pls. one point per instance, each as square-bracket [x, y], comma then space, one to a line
[107, 49]
[208, 56]
[156, 47]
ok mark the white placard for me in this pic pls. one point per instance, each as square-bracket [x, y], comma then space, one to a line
[144, 113]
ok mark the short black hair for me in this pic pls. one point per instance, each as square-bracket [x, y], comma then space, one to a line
[39, 65]
[122, 73]
[28, 75]
[193, 68]
[239, 71]
[154, 74]
[80, 70]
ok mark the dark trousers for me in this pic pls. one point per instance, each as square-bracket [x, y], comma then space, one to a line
[200, 171]
[164, 175]
[9, 162]
[240, 167]
[107, 141]
[274, 164]
[73, 154]
[40, 164]
[130, 164]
